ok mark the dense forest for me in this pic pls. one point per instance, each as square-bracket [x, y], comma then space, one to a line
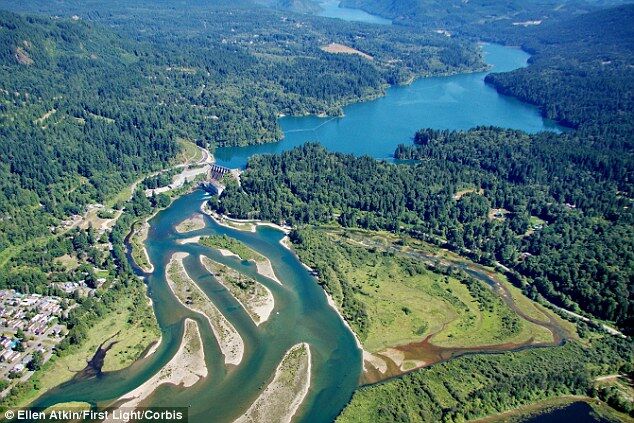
[100, 106]
[580, 74]
[554, 207]
[582, 253]
[476, 386]
[478, 18]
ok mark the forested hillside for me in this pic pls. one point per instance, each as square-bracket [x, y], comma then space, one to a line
[580, 73]
[475, 17]
[64, 142]
[554, 207]
[85, 110]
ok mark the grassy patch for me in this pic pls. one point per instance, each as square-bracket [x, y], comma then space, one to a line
[226, 243]
[404, 300]
[190, 153]
[137, 244]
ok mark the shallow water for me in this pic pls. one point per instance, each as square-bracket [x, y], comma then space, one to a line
[301, 314]
[578, 412]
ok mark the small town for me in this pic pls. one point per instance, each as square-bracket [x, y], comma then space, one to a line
[30, 330]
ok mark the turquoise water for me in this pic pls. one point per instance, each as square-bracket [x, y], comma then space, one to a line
[301, 314]
[376, 127]
[331, 9]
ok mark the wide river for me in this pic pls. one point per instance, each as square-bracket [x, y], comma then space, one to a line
[301, 313]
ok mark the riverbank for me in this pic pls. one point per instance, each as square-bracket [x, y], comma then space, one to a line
[256, 299]
[185, 368]
[248, 225]
[137, 240]
[130, 340]
[282, 398]
[413, 295]
[189, 294]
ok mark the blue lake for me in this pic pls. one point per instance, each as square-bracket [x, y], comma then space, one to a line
[376, 127]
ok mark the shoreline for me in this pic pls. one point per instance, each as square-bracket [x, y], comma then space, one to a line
[185, 368]
[228, 338]
[142, 234]
[275, 396]
[254, 223]
[540, 407]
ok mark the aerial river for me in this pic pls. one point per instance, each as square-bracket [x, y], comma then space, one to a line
[301, 313]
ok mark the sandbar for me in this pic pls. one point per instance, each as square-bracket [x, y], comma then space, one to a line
[191, 296]
[184, 369]
[283, 396]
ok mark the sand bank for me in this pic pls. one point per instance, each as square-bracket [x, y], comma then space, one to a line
[184, 369]
[283, 396]
[194, 223]
[191, 296]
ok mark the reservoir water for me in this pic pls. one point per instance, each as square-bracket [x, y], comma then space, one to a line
[301, 313]
[376, 127]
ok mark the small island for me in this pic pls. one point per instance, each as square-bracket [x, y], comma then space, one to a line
[230, 246]
[282, 397]
[256, 299]
[191, 296]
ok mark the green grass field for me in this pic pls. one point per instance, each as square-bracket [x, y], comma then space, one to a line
[233, 245]
[405, 301]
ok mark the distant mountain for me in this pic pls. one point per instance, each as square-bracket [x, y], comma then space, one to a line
[297, 6]
[474, 15]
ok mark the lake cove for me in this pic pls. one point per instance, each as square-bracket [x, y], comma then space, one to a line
[331, 9]
[376, 127]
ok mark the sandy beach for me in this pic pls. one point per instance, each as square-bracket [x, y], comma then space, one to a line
[256, 299]
[191, 296]
[283, 396]
[192, 240]
[184, 369]
[153, 348]
[248, 225]
[374, 361]
[265, 268]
